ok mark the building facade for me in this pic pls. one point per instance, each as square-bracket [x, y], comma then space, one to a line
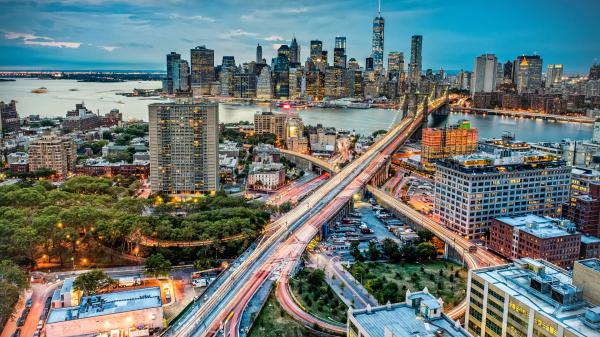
[530, 298]
[9, 118]
[484, 75]
[58, 154]
[456, 140]
[471, 190]
[202, 74]
[553, 240]
[584, 210]
[184, 143]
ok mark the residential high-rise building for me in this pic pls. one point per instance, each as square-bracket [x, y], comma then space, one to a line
[316, 50]
[533, 298]
[294, 52]
[554, 75]
[271, 122]
[594, 72]
[528, 73]
[456, 140]
[58, 154]
[378, 32]
[9, 118]
[259, 56]
[264, 86]
[554, 240]
[172, 72]
[203, 69]
[415, 67]
[484, 76]
[472, 190]
[184, 144]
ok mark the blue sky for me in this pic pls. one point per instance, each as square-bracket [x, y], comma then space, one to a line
[126, 34]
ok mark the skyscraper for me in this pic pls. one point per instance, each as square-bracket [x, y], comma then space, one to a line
[484, 77]
[228, 62]
[203, 72]
[316, 50]
[184, 76]
[339, 52]
[378, 30]
[294, 52]
[172, 71]
[340, 42]
[528, 73]
[369, 64]
[415, 67]
[553, 74]
[258, 54]
[264, 87]
[184, 140]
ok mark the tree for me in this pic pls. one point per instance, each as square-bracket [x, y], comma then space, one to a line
[409, 253]
[373, 252]
[355, 252]
[285, 207]
[157, 265]
[426, 251]
[93, 281]
[391, 249]
[13, 280]
[425, 235]
[316, 277]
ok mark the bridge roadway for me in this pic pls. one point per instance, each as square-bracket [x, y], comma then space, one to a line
[527, 114]
[327, 166]
[278, 252]
[481, 258]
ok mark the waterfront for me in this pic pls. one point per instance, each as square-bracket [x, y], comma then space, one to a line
[101, 97]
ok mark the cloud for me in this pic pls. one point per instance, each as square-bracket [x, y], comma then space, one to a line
[274, 38]
[238, 33]
[175, 16]
[109, 48]
[35, 40]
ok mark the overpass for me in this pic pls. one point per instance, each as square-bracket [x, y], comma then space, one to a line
[308, 162]
[278, 253]
[527, 114]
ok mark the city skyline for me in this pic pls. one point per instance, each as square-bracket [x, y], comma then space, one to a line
[84, 34]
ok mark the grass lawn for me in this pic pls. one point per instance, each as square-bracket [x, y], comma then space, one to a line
[389, 281]
[319, 300]
[273, 321]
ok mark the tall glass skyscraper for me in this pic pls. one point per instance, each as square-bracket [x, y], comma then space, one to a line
[415, 67]
[258, 54]
[378, 28]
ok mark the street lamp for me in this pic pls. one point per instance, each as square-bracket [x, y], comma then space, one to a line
[73, 260]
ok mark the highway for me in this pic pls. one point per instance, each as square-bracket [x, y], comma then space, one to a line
[279, 252]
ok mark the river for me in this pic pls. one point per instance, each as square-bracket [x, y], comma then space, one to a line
[102, 97]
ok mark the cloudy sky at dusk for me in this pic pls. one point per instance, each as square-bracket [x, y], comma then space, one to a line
[98, 34]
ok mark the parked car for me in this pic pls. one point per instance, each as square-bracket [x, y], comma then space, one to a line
[29, 303]
[17, 333]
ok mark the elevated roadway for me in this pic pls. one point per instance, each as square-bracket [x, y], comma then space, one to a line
[325, 165]
[528, 114]
[277, 255]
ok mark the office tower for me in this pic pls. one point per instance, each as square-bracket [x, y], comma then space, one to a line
[9, 118]
[339, 58]
[316, 50]
[58, 154]
[528, 73]
[369, 64]
[281, 72]
[294, 52]
[554, 240]
[203, 69]
[172, 71]
[264, 86]
[340, 42]
[228, 62]
[415, 67]
[464, 80]
[353, 64]
[284, 50]
[554, 75]
[395, 64]
[184, 143]
[594, 72]
[533, 298]
[259, 56]
[455, 140]
[484, 76]
[378, 32]
[184, 76]
[508, 72]
[244, 85]
[499, 73]
[493, 186]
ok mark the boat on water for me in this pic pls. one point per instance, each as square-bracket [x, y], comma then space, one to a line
[40, 90]
[73, 89]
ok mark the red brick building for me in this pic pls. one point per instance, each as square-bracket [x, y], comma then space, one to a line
[590, 247]
[537, 237]
[584, 210]
[140, 170]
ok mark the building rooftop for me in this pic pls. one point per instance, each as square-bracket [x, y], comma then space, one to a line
[108, 304]
[557, 299]
[587, 239]
[483, 162]
[540, 226]
[407, 320]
